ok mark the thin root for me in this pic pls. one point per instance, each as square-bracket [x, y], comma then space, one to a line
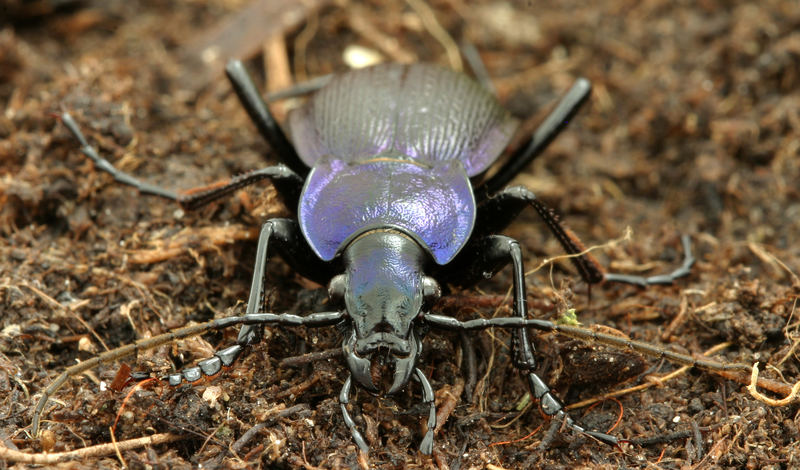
[626, 236]
[752, 388]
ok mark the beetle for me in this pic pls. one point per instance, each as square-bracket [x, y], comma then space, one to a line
[385, 170]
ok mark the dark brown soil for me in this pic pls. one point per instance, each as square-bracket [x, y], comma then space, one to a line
[693, 127]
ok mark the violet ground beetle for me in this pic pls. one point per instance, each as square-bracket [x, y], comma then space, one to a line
[381, 173]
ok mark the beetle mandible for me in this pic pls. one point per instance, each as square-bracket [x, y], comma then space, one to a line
[384, 171]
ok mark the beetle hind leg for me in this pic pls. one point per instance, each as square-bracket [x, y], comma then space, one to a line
[262, 118]
[286, 182]
[554, 123]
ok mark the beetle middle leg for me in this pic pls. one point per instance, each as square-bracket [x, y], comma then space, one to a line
[497, 209]
[497, 212]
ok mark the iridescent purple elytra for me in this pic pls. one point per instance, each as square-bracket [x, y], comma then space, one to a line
[389, 147]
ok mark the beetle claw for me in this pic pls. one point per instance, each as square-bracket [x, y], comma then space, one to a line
[404, 367]
[359, 366]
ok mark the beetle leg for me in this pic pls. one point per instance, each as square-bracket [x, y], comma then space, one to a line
[209, 366]
[259, 113]
[449, 323]
[470, 366]
[286, 182]
[491, 253]
[683, 270]
[106, 166]
[299, 89]
[554, 408]
[226, 357]
[482, 259]
[554, 123]
[473, 58]
[495, 213]
[549, 403]
[285, 235]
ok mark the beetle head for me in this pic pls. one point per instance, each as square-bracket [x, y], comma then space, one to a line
[384, 290]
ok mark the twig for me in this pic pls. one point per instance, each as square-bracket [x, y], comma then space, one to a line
[250, 433]
[449, 398]
[295, 390]
[679, 319]
[389, 45]
[87, 452]
[297, 361]
[609, 244]
[771, 260]
[116, 449]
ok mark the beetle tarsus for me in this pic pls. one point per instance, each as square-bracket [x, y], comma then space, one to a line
[106, 166]
[643, 281]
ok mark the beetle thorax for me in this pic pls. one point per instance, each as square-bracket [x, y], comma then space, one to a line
[383, 294]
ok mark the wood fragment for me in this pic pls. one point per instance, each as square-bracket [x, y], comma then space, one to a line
[447, 398]
[279, 73]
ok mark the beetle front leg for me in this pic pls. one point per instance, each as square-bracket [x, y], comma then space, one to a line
[548, 402]
[208, 367]
[285, 235]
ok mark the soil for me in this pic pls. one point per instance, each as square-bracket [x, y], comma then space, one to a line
[693, 128]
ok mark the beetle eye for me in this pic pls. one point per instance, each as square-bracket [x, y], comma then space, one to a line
[336, 288]
[430, 292]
